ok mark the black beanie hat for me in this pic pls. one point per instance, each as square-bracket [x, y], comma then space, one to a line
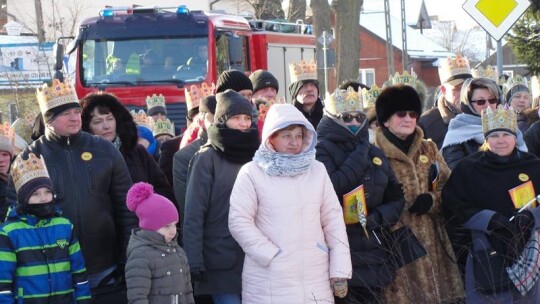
[396, 98]
[234, 80]
[26, 190]
[208, 104]
[263, 79]
[51, 114]
[229, 104]
[297, 85]
[514, 90]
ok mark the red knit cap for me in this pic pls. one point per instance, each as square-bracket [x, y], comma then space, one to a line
[153, 210]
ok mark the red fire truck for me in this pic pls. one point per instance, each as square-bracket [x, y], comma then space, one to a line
[135, 52]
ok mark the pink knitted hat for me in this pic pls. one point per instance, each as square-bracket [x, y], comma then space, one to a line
[153, 210]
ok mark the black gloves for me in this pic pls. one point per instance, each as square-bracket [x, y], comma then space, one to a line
[198, 276]
[422, 204]
[500, 223]
[374, 219]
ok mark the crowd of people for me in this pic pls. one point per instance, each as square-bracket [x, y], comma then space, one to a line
[362, 197]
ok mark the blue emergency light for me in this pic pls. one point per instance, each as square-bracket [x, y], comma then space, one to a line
[107, 13]
[182, 10]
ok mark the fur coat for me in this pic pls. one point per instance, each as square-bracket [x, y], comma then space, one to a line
[435, 277]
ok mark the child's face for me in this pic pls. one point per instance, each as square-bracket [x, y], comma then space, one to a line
[41, 196]
[169, 232]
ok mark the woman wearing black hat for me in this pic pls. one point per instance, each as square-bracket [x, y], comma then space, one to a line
[215, 259]
[500, 239]
[433, 278]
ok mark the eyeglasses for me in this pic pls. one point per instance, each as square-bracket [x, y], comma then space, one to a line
[402, 114]
[349, 117]
[482, 102]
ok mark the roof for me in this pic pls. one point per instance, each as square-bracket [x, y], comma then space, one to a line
[413, 10]
[418, 46]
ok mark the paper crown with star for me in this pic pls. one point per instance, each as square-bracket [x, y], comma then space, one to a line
[142, 119]
[24, 171]
[303, 70]
[343, 101]
[500, 119]
[59, 94]
[163, 127]
[194, 94]
[369, 96]
[514, 81]
[454, 70]
[490, 72]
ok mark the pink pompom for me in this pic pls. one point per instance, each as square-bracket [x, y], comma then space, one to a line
[138, 193]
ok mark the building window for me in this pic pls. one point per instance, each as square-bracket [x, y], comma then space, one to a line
[366, 76]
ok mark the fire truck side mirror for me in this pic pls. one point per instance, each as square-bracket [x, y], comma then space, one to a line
[59, 56]
[236, 53]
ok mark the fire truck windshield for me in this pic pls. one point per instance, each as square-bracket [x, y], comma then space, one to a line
[144, 61]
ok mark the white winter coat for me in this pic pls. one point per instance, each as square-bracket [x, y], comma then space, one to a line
[291, 228]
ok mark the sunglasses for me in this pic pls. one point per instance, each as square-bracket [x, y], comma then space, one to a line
[349, 117]
[482, 102]
[402, 114]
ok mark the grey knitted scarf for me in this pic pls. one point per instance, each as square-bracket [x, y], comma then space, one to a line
[282, 164]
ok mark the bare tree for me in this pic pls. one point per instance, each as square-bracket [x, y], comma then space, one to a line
[321, 22]
[267, 9]
[64, 18]
[457, 41]
[347, 38]
[297, 10]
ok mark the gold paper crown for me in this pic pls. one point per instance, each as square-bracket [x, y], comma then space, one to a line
[344, 101]
[7, 137]
[195, 93]
[162, 127]
[452, 67]
[155, 101]
[265, 105]
[515, 81]
[405, 78]
[490, 72]
[303, 70]
[24, 171]
[502, 118]
[370, 96]
[59, 93]
[142, 119]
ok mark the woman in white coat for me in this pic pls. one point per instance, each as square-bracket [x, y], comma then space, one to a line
[285, 215]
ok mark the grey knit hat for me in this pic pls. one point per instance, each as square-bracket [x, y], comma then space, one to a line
[263, 79]
[229, 104]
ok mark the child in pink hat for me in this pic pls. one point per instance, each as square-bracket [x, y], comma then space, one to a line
[157, 270]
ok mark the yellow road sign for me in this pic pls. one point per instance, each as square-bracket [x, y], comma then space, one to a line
[496, 16]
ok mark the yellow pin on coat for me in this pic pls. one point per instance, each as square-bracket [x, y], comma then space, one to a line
[424, 159]
[523, 177]
[377, 161]
[86, 156]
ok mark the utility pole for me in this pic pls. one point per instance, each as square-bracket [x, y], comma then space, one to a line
[389, 45]
[39, 21]
[404, 49]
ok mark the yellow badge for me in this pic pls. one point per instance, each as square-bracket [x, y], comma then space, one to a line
[86, 156]
[523, 177]
[424, 159]
[377, 161]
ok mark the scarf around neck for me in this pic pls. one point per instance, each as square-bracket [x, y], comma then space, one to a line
[282, 164]
[235, 146]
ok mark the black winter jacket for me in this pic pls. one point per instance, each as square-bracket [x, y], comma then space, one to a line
[351, 161]
[314, 117]
[433, 126]
[90, 180]
[532, 139]
[454, 153]
[143, 168]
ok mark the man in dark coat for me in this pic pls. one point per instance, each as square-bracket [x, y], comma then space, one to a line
[90, 181]
[434, 122]
[304, 90]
